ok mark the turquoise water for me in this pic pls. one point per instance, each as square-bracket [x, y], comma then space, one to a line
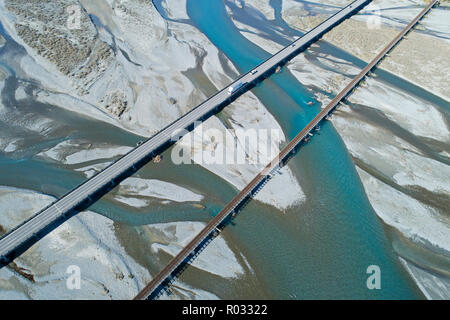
[322, 248]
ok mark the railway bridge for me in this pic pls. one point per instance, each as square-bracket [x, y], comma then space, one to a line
[176, 266]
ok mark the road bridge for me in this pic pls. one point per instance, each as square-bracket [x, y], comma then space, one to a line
[25, 235]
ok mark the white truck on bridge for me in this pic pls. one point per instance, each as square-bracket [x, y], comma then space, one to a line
[235, 87]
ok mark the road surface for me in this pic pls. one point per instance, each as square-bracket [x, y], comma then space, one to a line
[24, 236]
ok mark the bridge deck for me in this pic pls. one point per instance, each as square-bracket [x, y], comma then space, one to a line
[170, 271]
[24, 236]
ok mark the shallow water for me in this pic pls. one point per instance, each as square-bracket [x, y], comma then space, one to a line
[320, 249]
[323, 247]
